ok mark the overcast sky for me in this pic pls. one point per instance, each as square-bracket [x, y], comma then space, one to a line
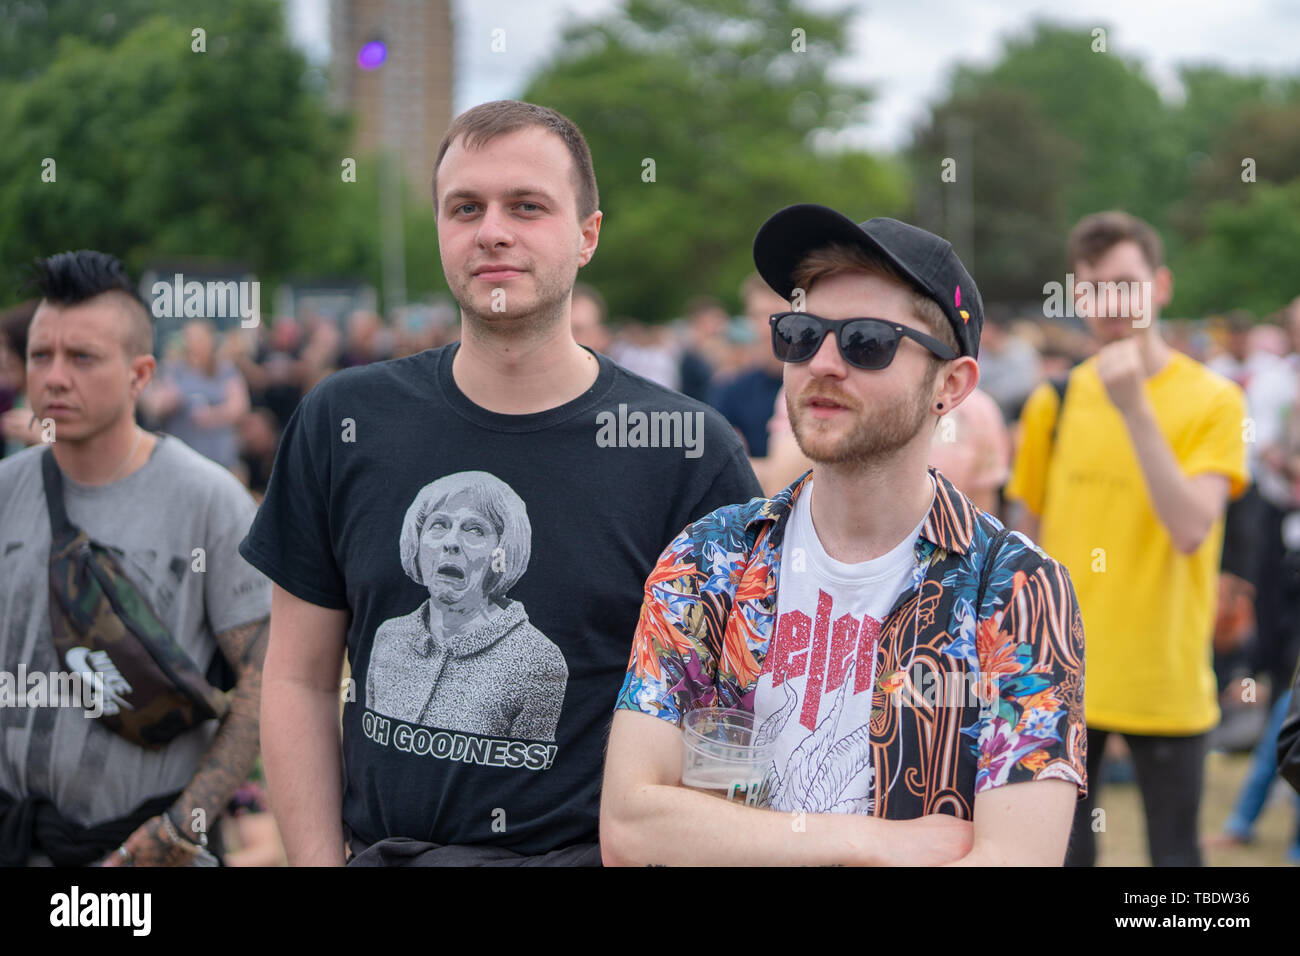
[905, 50]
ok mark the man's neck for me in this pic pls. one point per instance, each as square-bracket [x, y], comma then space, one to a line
[861, 512]
[515, 376]
[107, 457]
[1154, 349]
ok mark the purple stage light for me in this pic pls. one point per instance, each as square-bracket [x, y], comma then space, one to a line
[372, 55]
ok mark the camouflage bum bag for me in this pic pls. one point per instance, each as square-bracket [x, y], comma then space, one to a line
[100, 623]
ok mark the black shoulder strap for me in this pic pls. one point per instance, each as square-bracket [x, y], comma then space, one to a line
[53, 479]
[1059, 383]
[990, 558]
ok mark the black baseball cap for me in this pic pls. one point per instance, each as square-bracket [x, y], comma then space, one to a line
[927, 260]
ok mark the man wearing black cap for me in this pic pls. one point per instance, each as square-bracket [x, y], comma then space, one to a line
[915, 671]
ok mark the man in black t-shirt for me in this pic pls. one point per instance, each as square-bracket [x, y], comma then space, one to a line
[474, 524]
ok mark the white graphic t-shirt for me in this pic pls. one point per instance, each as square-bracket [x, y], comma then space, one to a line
[814, 693]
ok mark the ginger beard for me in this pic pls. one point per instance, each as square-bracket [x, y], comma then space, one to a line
[858, 434]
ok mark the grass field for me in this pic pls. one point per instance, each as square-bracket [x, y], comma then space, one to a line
[1125, 843]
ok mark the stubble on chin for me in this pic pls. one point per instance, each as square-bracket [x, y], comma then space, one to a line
[537, 319]
[873, 433]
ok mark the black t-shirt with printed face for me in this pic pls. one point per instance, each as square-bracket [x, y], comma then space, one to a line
[494, 566]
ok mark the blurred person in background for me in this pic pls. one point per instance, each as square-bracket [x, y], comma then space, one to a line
[747, 398]
[972, 448]
[1274, 398]
[368, 340]
[785, 460]
[267, 357]
[590, 315]
[702, 342]
[423, 327]
[200, 398]
[1125, 480]
[735, 351]
[259, 436]
[320, 351]
[1009, 366]
[1237, 360]
[647, 351]
[1270, 338]
[18, 427]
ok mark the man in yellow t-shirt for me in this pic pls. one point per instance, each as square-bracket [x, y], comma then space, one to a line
[1125, 482]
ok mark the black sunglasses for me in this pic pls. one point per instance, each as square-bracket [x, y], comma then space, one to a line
[864, 343]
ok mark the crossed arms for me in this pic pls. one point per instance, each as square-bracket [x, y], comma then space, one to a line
[646, 817]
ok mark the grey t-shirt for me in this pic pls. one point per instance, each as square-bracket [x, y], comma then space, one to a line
[154, 518]
[201, 391]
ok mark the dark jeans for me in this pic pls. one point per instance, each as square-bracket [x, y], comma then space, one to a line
[1170, 771]
[1277, 605]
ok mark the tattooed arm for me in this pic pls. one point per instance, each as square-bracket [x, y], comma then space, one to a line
[226, 764]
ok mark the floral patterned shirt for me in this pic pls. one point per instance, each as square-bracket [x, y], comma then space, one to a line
[966, 699]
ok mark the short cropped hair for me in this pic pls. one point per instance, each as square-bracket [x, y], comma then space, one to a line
[837, 257]
[500, 507]
[70, 278]
[1094, 235]
[487, 121]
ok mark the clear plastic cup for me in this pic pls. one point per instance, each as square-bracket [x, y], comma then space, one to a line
[721, 757]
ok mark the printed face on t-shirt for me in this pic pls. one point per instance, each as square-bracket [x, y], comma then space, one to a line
[456, 552]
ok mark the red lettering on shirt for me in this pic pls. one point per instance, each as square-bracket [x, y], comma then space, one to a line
[867, 640]
[844, 637]
[834, 647]
[812, 697]
[788, 657]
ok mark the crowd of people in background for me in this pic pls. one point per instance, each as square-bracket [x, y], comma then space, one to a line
[229, 392]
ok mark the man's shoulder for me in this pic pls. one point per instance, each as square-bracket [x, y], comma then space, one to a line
[740, 383]
[18, 466]
[1197, 378]
[1016, 551]
[724, 538]
[418, 368]
[184, 476]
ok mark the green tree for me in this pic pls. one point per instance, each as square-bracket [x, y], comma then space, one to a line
[161, 151]
[1122, 134]
[31, 30]
[733, 104]
[1020, 172]
[1247, 256]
